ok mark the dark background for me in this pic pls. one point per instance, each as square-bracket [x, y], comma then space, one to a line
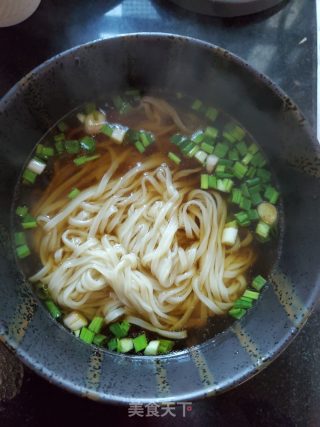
[282, 44]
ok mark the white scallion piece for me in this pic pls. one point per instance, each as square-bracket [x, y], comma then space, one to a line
[118, 134]
[201, 156]
[36, 166]
[211, 162]
[229, 235]
[81, 117]
[152, 348]
[75, 321]
[93, 122]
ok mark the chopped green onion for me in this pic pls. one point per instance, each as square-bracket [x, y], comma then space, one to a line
[212, 182]
[125, 345]
[28, 222]
[207, 147]
[187, 146]
[253, 214]
[238, 133]
[29, 176]
[112, 344]
[201, 156]
[236, 196]
[197, 136]
[139, 146]
[44, 152]
[53, 309]
[59, 147]
[233, 154]
[258, 160]
[242, 304]
[239, 170]
[204, 182]
[73, 193]
[242, 218]
[140, 342]
[90, 107]
[245, 204]
[196, 105]
[263, 230]
[165, 346]
[211, 162]
[20, 238]
[264, 174]
[242, 148]
[237, 313]
[224, 185]
[253, 148]
[221, 149]
[247, 159]
[79, 161]
[251, 172]
[251, 294]
[177, 138]
[72, 146]
[253, 181]
[245, 190]
[212, 113]
[271, 194]
[99, 340]
[211, 132]
[88, 144]
[258, 282]
[229, 137]
[106, 129]
[176, 159]
[152, 348]
[268, 213]
[62, 126]
[86, 335]
[75, 321]
[22, 211]
[23, 251]
[256, 199]
[60, 137]
[193, 151]
[96, 324]
[120, 330]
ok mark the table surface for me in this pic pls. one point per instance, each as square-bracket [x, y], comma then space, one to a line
[282, 44]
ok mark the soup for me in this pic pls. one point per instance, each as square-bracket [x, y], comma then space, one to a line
[142, 223]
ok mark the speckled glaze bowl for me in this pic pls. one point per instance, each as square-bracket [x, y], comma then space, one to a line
[175, 64]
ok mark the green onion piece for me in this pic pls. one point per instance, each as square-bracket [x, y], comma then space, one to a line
[29, 177]
[237, 313]
[125, 345]
[196, 105]
[60, 137]
[144, 139]
[242, 218]
[140, 342]
[264, 174]
[251, 294]
[247, 159]
[212, 114]
[207, 147]
[112, 344]
[62, 126]
[193, 151]
[23, 251]
[242, 304]
[197, 137]
[245, 203]
[53, 309]
[229, 137]
[245, 190]
[20, 238]
[139, 146]
[242, 148]
[263, 230]
[120, 330]
[212, 182]
[239, 170]
[174, 158]
[86, 335]
[211, 132]
[201, 156]
[99, 340]
[233, 154]
[253, 182]
[236, 196]
[256, 198]
[152, 348]
[187, 146]
[220, 167]
[221, 149]
[79, 161]
[59, 147]
[72, 146]
[73, 193]
[258, 160]
[88, 144]
[238, 133]
[258, 282]
[165, 346]
[271, 194]
[106, 129]
[96, 324]
[118, 102]
[251, 172]
[224, 185]
[28, 222]
[177, 138]
[90, 107]
[230, 233]
[253, 214]
[253, 149]
[22, 211]
[204, 181]
[225, 162]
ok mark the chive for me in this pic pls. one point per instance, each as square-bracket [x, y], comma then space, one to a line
[247, 159]
[72, 146]
[73, 193]
[239, 170]
[106, 130]
[96, 324]
[258, 160]
[242, 148]
[237, 313]
[112, 344]
[211, 132]
[253, 181]
[79, 161]
[22, 211]
[233, 155]
[212, 182]
[196, 105]
[165, 346]
[224, 185]
[53, 309]
[212, 114]
[59, 137]
[258, 282]
[264, 175]
[89, 107]
[88, 144]
[125, 345]
[242, 218]
[251, 294]
[242, 304]
[245, 204]
[28, 222]
[29, 177]
[59, 147]
[207, 147]
[253, 148]
[251, 172]
[263, 230]
[253, 214]
[221, 149]
[201, 156]
[197, 136]
[177, 138]
[229, 137]
[23, 251]
[204, 182]
[236, 196]
[271, 194]
[86, 335]
[139, 146]
[20, 238]
[120, 330]
[256, 199]
[99, 340]
[62, 126]
[140, 342]
[174, 158]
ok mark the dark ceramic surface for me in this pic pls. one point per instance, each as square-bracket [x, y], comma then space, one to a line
[287, 392]
[227, 8]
